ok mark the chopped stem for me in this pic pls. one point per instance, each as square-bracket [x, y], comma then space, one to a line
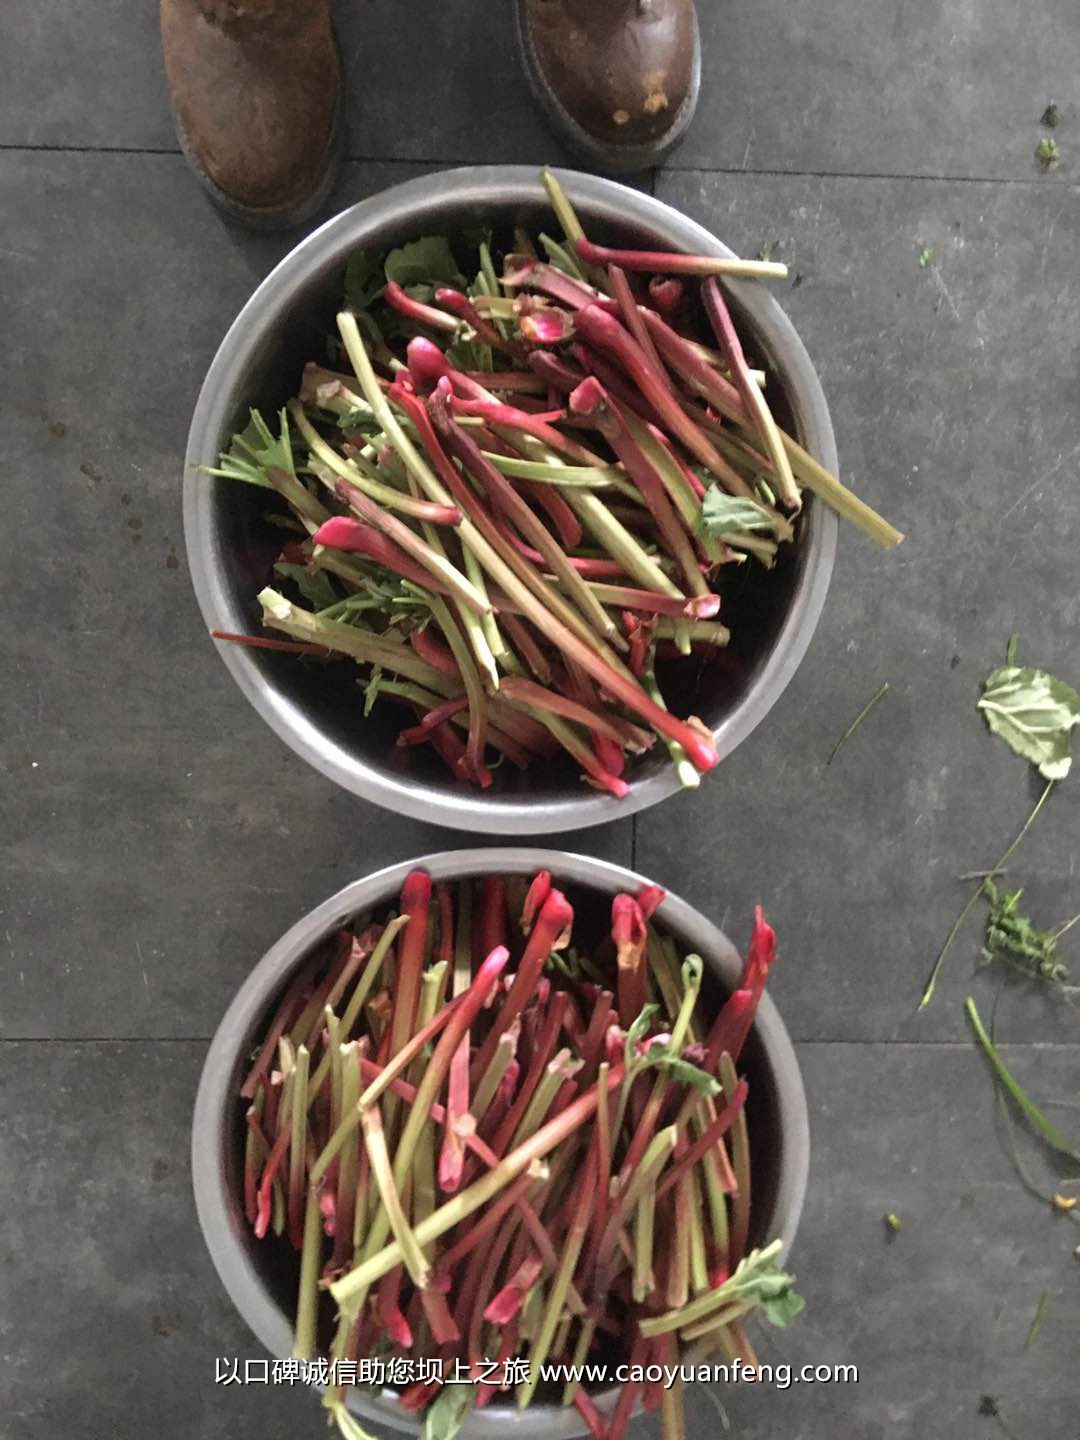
[662, 262]
[392, 1215]
[931, 984]
[459, 1206]
[740, 1162]
[305, 1338]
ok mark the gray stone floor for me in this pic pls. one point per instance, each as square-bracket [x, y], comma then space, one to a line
[157, 837]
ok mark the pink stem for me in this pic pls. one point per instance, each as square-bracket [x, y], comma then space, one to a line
[462, 306]
[343, 533]
[517, 419]
[429, 650]
[524, 643]
[260, 642]
[421, 734]
[707, 1140]
[405, 305]
[518, 687]
[629, 933]
[591, 399]
[551, 932]
[601, 330]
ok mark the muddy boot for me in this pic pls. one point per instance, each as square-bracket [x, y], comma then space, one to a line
[256, 93]
[618, 79]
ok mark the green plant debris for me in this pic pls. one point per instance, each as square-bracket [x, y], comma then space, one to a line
[1039, 1123]
[1037, 1319]
[1050, 116]
[1013, 938]
[926, 257]
[1035, 714]
[863, 713]
[1047, 152]
[893, 1223]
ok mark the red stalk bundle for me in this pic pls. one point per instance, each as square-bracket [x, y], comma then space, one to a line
[530, 1234]
[477, 506]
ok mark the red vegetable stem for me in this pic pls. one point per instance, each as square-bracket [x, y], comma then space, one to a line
[428, 315]
[421, 734]
[286, 1013]
[491, 919]
[463, 307]
[651, 602]
[713, 1133]
[407, 539]
[526, 646]
[753, 400]
[496, 555]
[629, 932]
[591, 399]
[415, 903]
[551, 932]
[547, 497]
[502, 493]
[628, 311]
[665, 262]
[601, 330]
[371, 1070]
[457, 950]
[260, 642]
[542, 1053]
[700, 750]
[496, 413]
[591, 567]
[740, 1162]
[516, 687]
[488, 1222]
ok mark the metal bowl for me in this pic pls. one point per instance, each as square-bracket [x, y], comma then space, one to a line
[261, 1278]
[231, 547]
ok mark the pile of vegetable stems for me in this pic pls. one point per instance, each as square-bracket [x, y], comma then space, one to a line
[549, 526]
[485, 1144]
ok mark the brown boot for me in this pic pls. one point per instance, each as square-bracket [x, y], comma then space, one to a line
[618, 79]
[256, 92]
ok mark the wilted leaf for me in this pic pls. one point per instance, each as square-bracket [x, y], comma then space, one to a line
[1034, 713]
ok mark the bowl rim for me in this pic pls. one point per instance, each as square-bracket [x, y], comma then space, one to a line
[327, 247]
[216, 1098]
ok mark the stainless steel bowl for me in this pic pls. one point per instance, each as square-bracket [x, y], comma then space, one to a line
[231, 548]
[260, 1278]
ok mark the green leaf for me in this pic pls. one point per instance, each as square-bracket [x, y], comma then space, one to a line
[1034, 713]
[759, 1280]
[315, 586]
[364, 280]
[1031, 1112]
[448, 1412]
[781, 1309]
[683, 1072]
[371, 690]
[722, 513]
[427, 261]
[256, 449]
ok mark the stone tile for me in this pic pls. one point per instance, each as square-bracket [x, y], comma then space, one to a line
[889, 88]
[160, 837]
[955, 89]
[436, 84]
[953, 406]
[938, 1315]
[113, 1316]
[98, 1223]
